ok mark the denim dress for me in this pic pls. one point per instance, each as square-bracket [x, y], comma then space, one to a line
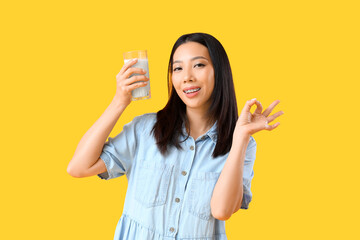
[168, 197]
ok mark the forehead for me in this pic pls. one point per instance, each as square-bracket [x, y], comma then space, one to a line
[189, 50]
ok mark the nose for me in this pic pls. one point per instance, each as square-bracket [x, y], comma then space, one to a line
[188, 75]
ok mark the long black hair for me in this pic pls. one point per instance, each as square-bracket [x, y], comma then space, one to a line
[223, 108]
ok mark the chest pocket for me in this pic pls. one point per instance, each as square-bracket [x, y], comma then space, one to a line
[200, 192]
[152, 183]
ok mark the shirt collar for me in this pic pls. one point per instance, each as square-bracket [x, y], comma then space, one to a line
[212, 133]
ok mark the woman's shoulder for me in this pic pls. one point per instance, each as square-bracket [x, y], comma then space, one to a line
[144, 118]
[145, 121]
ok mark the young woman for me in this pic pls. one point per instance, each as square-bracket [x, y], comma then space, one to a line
[189, 166]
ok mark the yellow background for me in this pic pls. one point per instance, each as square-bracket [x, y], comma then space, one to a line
[59, 60]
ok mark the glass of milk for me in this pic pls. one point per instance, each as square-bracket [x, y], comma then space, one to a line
[142, 62]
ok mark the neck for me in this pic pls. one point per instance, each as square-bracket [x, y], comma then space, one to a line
[199, 122]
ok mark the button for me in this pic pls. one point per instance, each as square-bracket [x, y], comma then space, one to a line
[192, 148]
[203, 137]
[177, 199]
[183, 173]
[172, 229]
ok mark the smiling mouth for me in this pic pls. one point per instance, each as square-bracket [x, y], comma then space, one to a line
[192, 90]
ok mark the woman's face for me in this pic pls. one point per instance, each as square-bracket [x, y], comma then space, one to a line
[193, 75]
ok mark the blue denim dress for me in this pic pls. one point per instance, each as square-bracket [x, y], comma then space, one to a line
[168, 197]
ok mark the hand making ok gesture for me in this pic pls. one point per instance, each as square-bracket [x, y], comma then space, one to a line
[251, 123]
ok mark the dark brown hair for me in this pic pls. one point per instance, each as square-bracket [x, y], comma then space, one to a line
[223, 108]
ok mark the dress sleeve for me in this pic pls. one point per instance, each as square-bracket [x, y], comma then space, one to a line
[248, 173]
[118, 153]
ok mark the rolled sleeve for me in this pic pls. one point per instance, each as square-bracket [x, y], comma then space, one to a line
[248, 173]
[119, 152]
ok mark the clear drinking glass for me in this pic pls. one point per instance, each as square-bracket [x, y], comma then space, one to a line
[142, 62]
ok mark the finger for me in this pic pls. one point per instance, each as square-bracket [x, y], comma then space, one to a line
[133, 70]
[136, 85]
[271, 127]
[270, 108]
[275, 115]
[258, 108]
[134, 79]
[248, 105]
[127, 65]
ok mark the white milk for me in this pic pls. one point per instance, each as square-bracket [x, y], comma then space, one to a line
[141, 92]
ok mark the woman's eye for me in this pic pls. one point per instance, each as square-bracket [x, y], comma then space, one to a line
[196, 65]
[199, 65]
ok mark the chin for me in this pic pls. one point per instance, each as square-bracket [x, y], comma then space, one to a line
[194, 104]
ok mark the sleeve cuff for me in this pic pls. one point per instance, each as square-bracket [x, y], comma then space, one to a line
[105, 175]
[245, 201]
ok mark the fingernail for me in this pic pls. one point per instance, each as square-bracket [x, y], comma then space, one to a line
[253, 99]
[134, 59]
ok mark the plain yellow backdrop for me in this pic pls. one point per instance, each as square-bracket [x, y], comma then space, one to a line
[59, 60]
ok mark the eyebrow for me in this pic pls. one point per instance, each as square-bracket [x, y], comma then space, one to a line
[194, 58]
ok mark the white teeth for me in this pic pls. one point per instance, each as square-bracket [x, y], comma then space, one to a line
[192, 90]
